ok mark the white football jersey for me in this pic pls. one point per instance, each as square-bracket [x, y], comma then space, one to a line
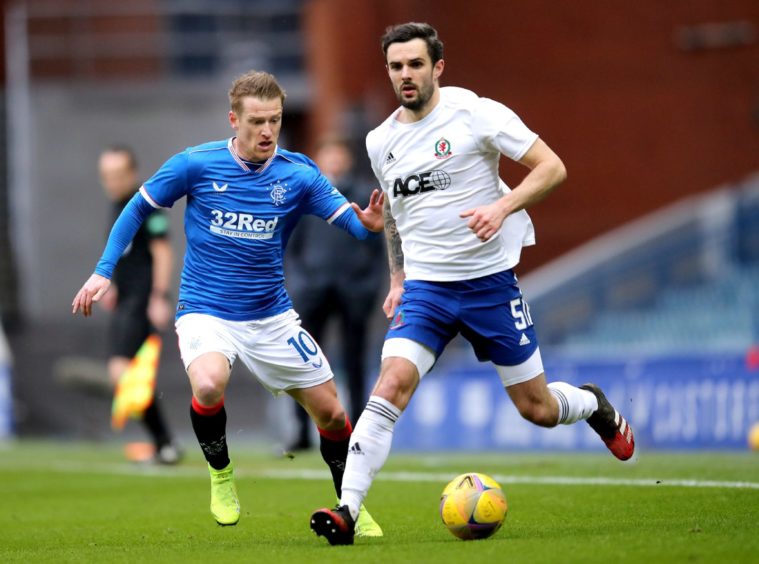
[447, 163]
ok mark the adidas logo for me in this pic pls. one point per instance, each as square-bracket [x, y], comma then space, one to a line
[390, 158]
[524, 340]
[355, 449]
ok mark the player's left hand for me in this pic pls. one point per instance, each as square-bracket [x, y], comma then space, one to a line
[94, 289]
[371, 217]
[485, 221]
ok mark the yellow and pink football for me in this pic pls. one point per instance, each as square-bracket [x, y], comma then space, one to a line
[473, 506]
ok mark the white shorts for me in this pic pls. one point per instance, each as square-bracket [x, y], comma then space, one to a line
[276, 350]
[424, 358]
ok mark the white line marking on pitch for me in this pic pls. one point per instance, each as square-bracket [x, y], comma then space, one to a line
[438, 477]
[505, 479]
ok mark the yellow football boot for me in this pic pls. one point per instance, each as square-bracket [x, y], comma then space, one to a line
[225, 507]
[366, 526]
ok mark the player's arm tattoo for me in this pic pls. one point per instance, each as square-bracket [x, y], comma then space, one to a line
[394, 251]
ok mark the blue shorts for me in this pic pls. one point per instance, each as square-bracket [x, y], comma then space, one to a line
[489, 312]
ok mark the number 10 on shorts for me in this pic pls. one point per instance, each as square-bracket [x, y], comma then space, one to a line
[305, 345]
[521, 313]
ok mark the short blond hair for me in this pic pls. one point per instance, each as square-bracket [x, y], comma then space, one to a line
[258, 84]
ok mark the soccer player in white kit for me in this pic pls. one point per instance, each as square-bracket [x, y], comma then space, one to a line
[454, 233]
[244, 196]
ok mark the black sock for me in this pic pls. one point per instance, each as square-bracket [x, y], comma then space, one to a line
[155, 424]
[334, 449]
[211, 433]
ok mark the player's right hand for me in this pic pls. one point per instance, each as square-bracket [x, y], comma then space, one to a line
[94, 289]
[372, 217]
[392, 301]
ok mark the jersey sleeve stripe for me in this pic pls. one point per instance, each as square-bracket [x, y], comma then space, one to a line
[147, 197]
[339, 212]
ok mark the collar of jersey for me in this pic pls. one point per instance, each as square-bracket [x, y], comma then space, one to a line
[426, 119]
[242, 164]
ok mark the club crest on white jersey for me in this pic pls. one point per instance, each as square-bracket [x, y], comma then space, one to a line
[442, 149]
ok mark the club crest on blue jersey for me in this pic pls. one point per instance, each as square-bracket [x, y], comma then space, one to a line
[277, 193]
[442, 148]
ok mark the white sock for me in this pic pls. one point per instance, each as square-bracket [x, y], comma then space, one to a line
[368, 451]
[574, 403]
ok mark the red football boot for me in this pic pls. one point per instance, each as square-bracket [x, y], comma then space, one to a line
[613, 429]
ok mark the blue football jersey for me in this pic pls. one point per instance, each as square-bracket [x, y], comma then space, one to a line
[237, 222]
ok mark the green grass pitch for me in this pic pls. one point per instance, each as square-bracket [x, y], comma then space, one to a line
[74, 502]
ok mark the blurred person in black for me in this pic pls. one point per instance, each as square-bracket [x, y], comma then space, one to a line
[332, 276]
[139, 301]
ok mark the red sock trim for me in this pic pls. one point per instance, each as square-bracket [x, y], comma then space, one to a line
[338, 434]
[206, 410]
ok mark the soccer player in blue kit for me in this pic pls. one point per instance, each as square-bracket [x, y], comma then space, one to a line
[455, 232]
[244, 196]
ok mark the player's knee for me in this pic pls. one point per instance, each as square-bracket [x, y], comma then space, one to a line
[207, 389]
[209, 375]
[330, 418]
[208, 395]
